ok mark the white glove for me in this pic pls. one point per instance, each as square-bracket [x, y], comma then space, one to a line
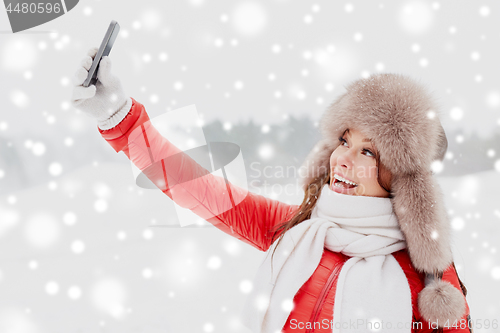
[105, 101]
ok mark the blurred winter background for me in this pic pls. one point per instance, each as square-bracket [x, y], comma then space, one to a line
[84, 249]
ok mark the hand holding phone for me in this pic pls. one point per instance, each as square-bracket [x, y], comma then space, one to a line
[106, 101]
[104, 50]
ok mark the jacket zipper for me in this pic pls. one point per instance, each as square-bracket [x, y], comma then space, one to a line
[322, 297]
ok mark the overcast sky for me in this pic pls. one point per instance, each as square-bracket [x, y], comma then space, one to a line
[260, 60]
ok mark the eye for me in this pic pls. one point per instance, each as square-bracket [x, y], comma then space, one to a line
[369, 152]
[343, 141]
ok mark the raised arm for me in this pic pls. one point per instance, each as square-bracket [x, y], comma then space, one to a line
[236, 211]
[124, 123]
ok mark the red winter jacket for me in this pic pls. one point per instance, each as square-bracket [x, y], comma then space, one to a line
[251, 219]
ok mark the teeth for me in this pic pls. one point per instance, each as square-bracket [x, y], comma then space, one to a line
[344, 180]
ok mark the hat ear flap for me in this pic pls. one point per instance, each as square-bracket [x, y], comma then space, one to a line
[442, 144]
[427, 235]
[426, 228]
[317, 161]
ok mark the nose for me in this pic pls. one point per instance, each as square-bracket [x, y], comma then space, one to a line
[345, 160]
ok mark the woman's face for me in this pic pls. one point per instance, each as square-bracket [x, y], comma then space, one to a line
[354, 160]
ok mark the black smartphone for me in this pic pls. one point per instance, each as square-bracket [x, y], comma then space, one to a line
[104, 49]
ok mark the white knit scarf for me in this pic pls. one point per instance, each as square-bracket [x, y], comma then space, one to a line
[372, 289]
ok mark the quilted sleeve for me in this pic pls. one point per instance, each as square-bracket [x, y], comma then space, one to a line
[236, 211]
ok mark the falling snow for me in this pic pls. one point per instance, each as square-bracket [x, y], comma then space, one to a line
[81, 239]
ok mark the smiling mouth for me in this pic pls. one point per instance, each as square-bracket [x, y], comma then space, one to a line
[341, 184]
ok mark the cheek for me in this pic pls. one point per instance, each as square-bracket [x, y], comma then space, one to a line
[335, 163]
[367, 173]
[373, 172]
[333, 160]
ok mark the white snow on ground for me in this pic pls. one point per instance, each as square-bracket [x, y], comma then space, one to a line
[98, 254]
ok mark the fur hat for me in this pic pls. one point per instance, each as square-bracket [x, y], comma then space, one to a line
[401, 118]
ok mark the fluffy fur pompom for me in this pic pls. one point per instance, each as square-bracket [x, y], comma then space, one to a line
[440, 302]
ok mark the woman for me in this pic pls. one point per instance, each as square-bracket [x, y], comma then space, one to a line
[367, 250]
